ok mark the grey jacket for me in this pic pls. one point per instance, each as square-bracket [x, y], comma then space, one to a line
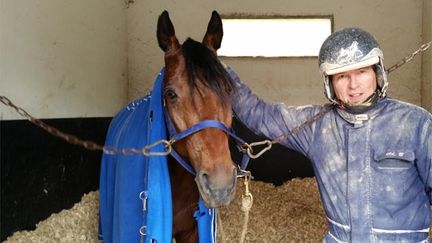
[373, 170]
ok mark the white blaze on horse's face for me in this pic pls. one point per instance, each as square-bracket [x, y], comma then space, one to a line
[196, 89]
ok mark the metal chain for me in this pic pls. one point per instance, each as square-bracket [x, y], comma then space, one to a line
[249, 147]
[90, 145]
[408, 58]
[327, 108]
[247, 199]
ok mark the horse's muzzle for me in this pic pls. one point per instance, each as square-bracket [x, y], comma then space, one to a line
[216, 189]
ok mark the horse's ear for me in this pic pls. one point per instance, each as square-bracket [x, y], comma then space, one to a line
[166, 34]
[213, 36]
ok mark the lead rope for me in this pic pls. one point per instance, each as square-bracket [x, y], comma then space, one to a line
[247, 201]
[246, 205]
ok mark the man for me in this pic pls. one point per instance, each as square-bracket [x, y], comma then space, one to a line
[371, 154]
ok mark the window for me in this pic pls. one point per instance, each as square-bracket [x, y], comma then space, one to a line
[274, 37]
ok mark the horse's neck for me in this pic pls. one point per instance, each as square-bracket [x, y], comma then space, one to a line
[184, 198]
[183, 186]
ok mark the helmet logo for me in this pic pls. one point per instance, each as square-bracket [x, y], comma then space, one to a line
[350, 55]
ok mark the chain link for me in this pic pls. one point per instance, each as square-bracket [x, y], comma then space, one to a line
[249, 147]
[247, 198]
[90, 145]
[408, 58]
[325, 110]
[87, 144]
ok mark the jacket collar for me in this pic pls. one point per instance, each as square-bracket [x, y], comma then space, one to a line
[359, 119]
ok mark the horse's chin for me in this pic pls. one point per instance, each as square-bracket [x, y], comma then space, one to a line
[222, 197]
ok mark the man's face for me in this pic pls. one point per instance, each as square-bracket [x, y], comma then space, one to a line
[355, 86]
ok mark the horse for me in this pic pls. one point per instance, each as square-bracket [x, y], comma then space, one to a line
[196, 90]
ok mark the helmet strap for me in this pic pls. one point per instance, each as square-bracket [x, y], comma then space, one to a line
[368, 104]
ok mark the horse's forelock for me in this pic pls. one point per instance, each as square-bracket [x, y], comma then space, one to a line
[203, 66]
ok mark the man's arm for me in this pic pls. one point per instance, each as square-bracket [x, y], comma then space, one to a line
[270, 119]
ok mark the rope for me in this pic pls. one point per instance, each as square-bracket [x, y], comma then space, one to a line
[246, 205]
[245, 226]
[247, 201]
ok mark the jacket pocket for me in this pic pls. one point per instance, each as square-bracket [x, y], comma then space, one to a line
[394, 160]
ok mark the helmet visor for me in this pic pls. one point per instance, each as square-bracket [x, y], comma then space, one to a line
[335, 68]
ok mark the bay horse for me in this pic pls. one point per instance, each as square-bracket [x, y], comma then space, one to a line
[191, 100]
[197, 88]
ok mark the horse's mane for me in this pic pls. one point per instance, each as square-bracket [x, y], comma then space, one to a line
[203, 65]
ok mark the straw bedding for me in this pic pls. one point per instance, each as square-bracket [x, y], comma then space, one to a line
[287, 213]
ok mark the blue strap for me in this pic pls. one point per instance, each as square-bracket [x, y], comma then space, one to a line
[206, 220]
[182, 162]
[196, 128]
[205, 124]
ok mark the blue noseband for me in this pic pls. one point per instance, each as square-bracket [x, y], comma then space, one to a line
[174, 136]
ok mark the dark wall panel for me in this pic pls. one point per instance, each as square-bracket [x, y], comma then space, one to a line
[42, 174]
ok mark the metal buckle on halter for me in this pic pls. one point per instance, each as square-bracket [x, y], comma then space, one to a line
[243, 173]
[247, 198]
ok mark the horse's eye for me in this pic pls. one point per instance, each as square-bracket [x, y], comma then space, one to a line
[170, 94]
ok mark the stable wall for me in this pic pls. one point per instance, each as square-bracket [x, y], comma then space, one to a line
[427, 57]
[63, 58]
[58, 59]
[75, 58]
[397, 24]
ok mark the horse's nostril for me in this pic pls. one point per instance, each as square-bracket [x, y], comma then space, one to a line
[217, 189]
[203, 177]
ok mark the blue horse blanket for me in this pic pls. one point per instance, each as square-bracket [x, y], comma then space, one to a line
[135, 191]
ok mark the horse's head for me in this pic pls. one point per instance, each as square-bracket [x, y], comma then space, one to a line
[196, 88]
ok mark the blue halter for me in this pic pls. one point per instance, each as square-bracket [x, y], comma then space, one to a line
[204, 216]
[196, 128]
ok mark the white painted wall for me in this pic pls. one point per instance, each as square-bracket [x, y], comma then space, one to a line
[75, 58]
[63, 58]
[397, 24]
